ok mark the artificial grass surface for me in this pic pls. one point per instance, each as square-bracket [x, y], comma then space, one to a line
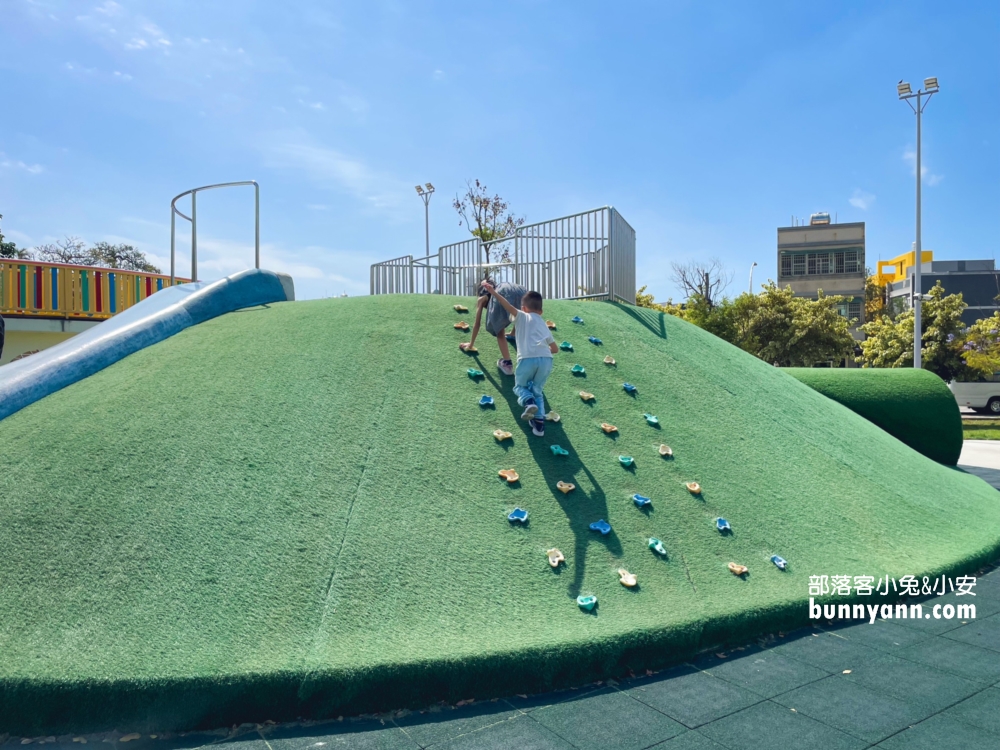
[914, 406]
[295, 510]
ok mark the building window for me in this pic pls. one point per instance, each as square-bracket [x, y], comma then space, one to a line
[786, 265]
[854, 310]
[823, 263]
[851, 262]
[799, 265]
[838, 264]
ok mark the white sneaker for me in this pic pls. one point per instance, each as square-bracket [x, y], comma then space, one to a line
[505, 366]
[530, 411]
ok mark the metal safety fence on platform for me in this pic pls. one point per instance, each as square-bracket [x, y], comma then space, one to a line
[589, 255]
[59, 290]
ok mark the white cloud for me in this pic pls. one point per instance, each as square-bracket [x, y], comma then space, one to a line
[910, 155]
[8, 163]
[122, 76]
[312, 105]
[861, 199]
[317, 207]
[355, 104]
[108, 8]
[328, 166]
[438, 75]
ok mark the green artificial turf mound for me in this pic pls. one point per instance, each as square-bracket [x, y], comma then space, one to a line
[914, 406]
[295, 511]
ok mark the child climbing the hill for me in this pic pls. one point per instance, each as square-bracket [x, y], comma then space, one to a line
[535, 347]
[497, 319]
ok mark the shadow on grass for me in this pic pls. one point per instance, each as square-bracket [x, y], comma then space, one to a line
[581, 509]
[651, 319]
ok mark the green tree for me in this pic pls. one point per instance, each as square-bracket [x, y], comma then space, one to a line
[11, 250]
[981, 347]
[487, 218]
[121, 256]
[889, 342]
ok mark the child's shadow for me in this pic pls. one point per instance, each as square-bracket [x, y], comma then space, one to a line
[581, 508]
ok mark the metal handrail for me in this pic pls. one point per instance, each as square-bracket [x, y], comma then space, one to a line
[193, 218]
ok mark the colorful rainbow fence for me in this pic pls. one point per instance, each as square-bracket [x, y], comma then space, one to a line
[59, 290]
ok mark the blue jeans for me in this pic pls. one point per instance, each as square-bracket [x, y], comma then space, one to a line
[529, 379]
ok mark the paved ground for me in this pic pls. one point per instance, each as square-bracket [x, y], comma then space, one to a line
[932, 683]
[982, 458]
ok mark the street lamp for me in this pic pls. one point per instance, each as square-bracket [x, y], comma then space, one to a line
[425, 196]
[906, 93]
[750, 288]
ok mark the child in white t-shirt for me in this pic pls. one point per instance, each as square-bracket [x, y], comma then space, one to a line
[535, 347]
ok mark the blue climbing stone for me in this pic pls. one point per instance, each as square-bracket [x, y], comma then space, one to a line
[594, 340]
[577, 319]
[629, 388]
[779, 561]
[518, 515]
[486, 401]
[722, 525]
[641, 501]
[603, 526]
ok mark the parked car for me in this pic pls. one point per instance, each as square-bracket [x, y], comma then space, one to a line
[982, 396]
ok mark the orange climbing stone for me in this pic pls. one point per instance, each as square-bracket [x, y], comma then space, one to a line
[666, 450]
[609, 360]
[501, 435]
[565, 487]
[555, 557]
[461, 309]
[462, 325]
[626, 579]
[586, 396]
[608, 428]
[509, 474]
[737, 570]
[694, 488]
[550, 324]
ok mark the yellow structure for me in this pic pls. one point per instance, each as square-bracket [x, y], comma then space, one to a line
[891, 271]
[31, 288]
[46, 303]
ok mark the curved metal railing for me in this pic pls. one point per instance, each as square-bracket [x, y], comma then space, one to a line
[193, 218]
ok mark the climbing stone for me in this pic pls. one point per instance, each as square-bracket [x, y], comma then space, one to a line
[694, 488]
[555, 557]
[551, 325]
[626, 579]
[473, 373]
[779, 561]
[641, 501]
[509, 474]
[608, 428]
[665, 450]
[518, 515]
[626, 461]
[586, 603]
[586, 396]
[566, 346]
[609, 360]
[629, 388]
[461, 309]
[650, 419]
[738, 570]
[657, 546]
[552, 417]
[565, 487]
[577, 319]
[486, 401]
[577, 370]
[558, 450]
[502, 435]
[594, 340]
[722, 525]
[602, 526]
[468, 348]
[462, 325]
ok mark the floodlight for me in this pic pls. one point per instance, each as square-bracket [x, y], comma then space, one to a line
[930, 83]
[903, 89]
[430, 188]
[420, 190]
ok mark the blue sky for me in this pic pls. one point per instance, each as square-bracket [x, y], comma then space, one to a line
[707, 125]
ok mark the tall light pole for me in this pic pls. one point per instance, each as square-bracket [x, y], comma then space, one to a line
[750, 288]
[905, 93]
[425, 196]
